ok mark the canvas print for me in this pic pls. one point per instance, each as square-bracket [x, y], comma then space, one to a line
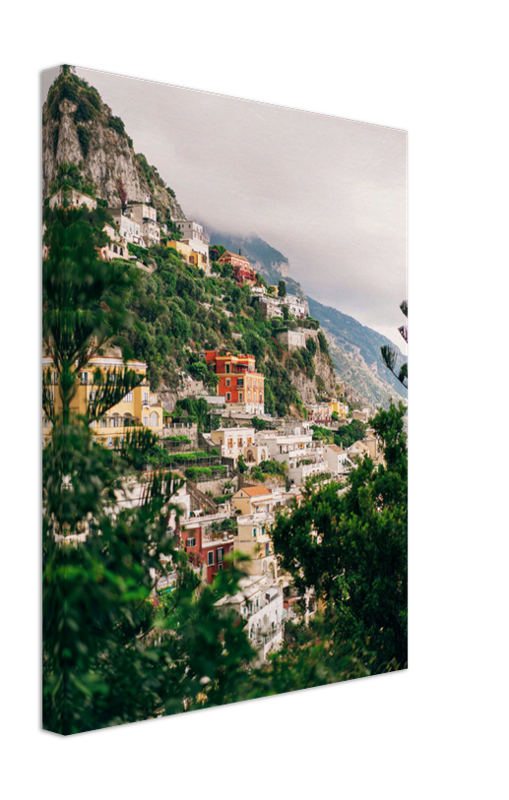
[224, 392]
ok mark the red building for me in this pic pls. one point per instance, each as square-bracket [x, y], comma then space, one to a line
[206, 548]
[239, 382]
[242, 270]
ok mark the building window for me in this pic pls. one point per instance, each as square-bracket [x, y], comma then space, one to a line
[84, 378]
[154, 420]
[190, 542]
[220, 554]
[145, 421]
[145, 397]
[128, 398]
[227, 369]
[241, 397]
[55, 378]
[210, 558]
[254, 532]
[228, 397]
[110, 441]
[103, 423]
[228, 381]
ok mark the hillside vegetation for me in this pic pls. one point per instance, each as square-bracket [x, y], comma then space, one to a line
[178, 312]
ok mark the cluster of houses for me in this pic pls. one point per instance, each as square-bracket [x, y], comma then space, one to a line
[213, 533]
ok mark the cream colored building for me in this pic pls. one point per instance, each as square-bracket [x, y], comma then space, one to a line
[233, 441]
[253, 539]
[73, 197]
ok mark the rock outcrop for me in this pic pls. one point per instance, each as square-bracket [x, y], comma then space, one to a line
[79, 129]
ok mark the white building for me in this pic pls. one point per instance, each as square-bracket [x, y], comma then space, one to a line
[128, 228]
[337, 459]
[259, 603]
[192, 230]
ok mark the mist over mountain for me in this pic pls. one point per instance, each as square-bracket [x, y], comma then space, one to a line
[355, 348]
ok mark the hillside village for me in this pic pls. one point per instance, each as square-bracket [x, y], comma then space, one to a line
[235, 380]
[249, 463]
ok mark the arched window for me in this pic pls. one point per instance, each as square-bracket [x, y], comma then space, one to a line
[154, 420]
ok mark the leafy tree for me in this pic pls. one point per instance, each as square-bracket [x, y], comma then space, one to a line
[347, 435]
[390, 357]
[351, 549]
[281, 289]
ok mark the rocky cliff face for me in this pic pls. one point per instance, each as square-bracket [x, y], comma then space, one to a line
[79, 129]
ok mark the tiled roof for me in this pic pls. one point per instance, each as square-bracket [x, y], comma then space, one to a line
[253, 491]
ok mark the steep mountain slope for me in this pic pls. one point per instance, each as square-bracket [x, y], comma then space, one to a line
[355, 351]
[79, 129]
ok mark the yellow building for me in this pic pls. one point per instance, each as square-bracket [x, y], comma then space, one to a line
[196, 255]
[341, 409]
[140, 407]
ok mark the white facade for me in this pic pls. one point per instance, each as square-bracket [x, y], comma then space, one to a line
[141, 212]
[232, 441]
[192, 230]
[129, 229]
[336, 459]
[259, 603]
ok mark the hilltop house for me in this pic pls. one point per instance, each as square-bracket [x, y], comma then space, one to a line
[73, 198]
[272, 306]
[242, 270]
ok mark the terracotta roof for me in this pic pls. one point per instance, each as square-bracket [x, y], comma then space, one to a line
[235, 255]
[335, 448]
[253, 491]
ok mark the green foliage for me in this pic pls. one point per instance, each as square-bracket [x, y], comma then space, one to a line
[311, 346]
[84, 139]
[281, 289]
[322, 341]
[351, 548]
[117, 125]
[347, 435]
[101, 620]
[258, 473]
[390, 357]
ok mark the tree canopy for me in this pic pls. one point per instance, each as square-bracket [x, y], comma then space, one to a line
[350, 546]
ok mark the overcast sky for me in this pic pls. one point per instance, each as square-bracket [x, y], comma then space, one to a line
[329, 193]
